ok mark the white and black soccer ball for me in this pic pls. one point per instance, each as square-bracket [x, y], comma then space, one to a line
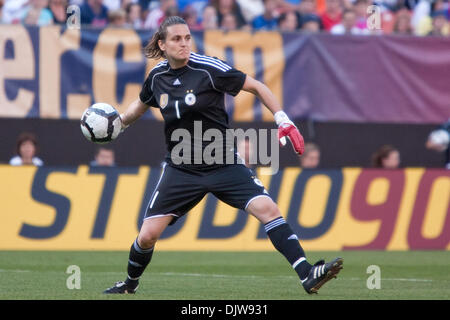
[101, 123]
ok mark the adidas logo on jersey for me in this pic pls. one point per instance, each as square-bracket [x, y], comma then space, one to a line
[176, 82]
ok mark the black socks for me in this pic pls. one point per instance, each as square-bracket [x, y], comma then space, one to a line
[137, 262]
[286, 242]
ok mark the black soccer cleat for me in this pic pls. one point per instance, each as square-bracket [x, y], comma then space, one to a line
[321, 273]
[121, 288]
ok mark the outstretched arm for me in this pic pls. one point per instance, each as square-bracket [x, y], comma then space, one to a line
[134, 111]
[286, 127]
[263, 93]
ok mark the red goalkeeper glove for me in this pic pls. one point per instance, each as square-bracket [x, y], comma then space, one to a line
[286, 128]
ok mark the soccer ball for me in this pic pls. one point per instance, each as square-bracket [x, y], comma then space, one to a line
[440, 137]
[101, 123]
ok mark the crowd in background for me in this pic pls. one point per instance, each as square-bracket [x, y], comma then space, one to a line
[406, 17]
[385, 157]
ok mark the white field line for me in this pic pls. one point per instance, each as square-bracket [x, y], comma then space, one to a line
[278, 277]
[211, 275]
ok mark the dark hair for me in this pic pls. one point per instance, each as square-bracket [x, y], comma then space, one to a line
[24, 137]
[152, 49]
[284, 15]
[382, 153]
[130, 5]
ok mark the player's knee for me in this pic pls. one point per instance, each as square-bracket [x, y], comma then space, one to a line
[147, 240]
[272, 211]
[265, 210]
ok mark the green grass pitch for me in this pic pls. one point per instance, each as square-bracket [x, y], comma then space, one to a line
[29, 275]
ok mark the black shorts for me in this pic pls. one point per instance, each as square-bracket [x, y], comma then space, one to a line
[178, 191]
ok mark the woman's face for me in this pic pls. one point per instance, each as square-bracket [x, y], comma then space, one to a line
[392, 161]
[135, 12]
[290, 23]
[403, 24]
[210, 18]
[177, 45]
[27, 149]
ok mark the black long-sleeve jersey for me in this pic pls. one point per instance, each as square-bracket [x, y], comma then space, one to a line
[192, 98]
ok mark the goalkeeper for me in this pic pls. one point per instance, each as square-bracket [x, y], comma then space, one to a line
[189, 88]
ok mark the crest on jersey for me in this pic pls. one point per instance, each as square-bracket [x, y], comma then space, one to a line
[163, 100]
[190, 98]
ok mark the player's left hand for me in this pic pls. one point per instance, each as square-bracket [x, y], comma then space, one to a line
[286, 128]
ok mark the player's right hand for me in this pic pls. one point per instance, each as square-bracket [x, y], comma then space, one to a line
[290, 131]
[286, 128]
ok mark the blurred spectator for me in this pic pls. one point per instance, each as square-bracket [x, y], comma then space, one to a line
[386, 157]
[171, 11]
[133, 11]
[311, 23]
[321, 6]
[12, 10]
[268, 20]
[421, 10]
[26, 149]
[124, 3]
[197, 5]
[439, 24]
[210, 20]
[37, 14]
[229, 22]
[117, 18]
[402, 23]
[156, 16]
[360, 9]
[224, 7]
[190, 16]
[104, 157]
[424, 19]
[332, 15]
[311, 156]
[59, 10]
[145, 8]
[348, 24]
[439, 140]
[1, 10]
[306, 8]
[408, 4]
[94, 13]
[112, 5]
[290, 5]
[391, 5]
[251, 8]
[288, 21]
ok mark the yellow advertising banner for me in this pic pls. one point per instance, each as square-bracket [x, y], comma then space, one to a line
[86, 208]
